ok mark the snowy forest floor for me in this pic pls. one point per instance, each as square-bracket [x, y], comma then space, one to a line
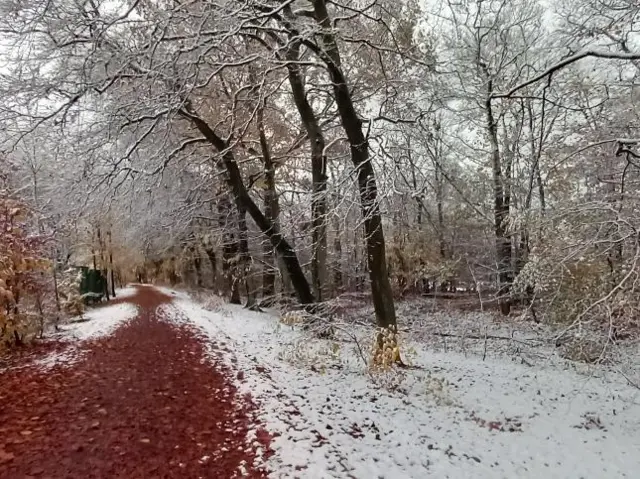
[138, 383]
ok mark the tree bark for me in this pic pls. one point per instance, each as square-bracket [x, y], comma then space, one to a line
[239, 190]
[440, 211]
[230, 250]
[244, 258]
[337, 248]
[103, 264]
[271, 212]
[382, 294]
[113, 283]
[172, 276]
[501, 206]
[197, 265]
[211, 254]
[318, 170]
[55, 281]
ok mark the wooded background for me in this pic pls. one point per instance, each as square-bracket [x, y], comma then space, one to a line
[484, 150]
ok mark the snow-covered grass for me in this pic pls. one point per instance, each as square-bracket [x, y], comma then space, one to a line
[173, 292]
[486, 334]
[93, 324]
[455, 415]
[126, 292]
[98, 322]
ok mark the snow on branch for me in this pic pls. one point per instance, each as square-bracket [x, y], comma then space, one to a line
[566, 62]
[624, 146]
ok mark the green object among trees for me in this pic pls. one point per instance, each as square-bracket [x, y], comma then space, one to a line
[93, 284]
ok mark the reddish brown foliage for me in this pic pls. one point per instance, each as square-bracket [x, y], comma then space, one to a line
[142, 403]
[21, 271]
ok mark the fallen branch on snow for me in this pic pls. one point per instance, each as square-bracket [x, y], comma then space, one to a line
[488, 336]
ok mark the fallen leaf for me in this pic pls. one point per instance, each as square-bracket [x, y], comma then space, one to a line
[6, 456]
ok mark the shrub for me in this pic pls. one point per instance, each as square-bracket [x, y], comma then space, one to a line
[22, 268]
[69, 290]
[385, 352]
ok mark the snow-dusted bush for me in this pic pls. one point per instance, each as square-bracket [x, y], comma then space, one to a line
[586, 273]
[69, 291]
[22, 278]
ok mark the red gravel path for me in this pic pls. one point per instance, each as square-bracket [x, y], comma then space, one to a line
[143, 403]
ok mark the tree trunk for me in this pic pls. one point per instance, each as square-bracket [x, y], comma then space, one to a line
[211, 254]
[244, 258]
[230, 253]
[113, 283]
[230, 248]
[271, 212]
[55, 282]
[337, 247]
[414, 182]
[93, 253]
[197, 265]
[501, 206]
[103, 265]
[318, 170]
[234, 178]
[440, 211]
[381, 291]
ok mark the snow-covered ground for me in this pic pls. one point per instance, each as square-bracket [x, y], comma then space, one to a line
[98, 322]
[126, 292]
[454, 416]
[93, 324]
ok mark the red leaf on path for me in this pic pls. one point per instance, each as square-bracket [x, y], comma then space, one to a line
[495, 426]
[6, 456]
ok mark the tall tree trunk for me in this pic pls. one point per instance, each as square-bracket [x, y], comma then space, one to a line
[55, 281]
[244, 258]
[230, 248]
[211, 254]
[103, 264]
[536, 151]
[318, 170]
[337, 247]
[440, 211]
[197, 265]
[501, 206]
[382, 293]
[230, 266]
[239, 190]
[436, 153]
[523, 250]
[93, 251]
[271, 212]
[113, 283]
[543, 203]
[172, 276]
[414, 182]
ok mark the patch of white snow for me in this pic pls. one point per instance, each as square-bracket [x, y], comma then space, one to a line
[126, 292]
[98, 322]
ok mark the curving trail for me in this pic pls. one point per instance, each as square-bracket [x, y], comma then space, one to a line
[143, 402]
